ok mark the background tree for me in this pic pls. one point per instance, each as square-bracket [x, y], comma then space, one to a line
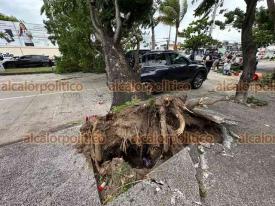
[248, 45]
[196, 35]
[2, 35]
[112, 20]
[262, 28]
[271, 9]
[172, 13]
[68, 24]
[4, 17]
[153, 22]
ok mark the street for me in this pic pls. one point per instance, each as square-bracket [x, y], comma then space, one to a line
[25, 113]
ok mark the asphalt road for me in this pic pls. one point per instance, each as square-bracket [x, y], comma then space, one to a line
[31, 112]
[54, 174]
[23, 113]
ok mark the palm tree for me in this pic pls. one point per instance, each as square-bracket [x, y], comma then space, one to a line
[153, 22]
[172, 12]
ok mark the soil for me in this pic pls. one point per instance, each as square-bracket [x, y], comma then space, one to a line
[127, 145]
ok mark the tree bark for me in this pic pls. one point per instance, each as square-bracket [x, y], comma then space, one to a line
[271, 8]
[176, 38]
[117, 68]
[119, 72]
[249, 53]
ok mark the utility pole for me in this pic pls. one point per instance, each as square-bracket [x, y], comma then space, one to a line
[213, 18]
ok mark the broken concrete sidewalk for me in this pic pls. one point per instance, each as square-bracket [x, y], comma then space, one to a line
[45, 174]
[174, 183]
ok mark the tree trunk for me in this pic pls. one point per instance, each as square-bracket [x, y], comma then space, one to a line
[271, 8]
[153, 37]
[249, 53]
[176, 38]
[137, 65]
[169, 37]
[118, 72]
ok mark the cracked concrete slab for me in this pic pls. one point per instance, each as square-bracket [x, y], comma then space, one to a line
[46, 174]
[243, 177]
[174, 184]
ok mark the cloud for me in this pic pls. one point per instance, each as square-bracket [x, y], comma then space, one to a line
[231, 35]
[27, 10]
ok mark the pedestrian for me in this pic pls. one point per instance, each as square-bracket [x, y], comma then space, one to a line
[227, 67]
[217, 58]
[208, 59]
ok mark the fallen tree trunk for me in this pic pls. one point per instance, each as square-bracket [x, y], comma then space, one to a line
[144, 132]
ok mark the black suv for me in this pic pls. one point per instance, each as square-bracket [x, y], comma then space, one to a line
[158, 66]
[28, 61]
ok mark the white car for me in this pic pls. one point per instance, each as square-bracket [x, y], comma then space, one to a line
[2, 69]
[2, 59]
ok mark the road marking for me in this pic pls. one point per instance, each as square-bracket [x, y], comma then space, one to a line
[37, 95]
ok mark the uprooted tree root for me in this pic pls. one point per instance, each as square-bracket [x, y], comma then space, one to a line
[144, 133]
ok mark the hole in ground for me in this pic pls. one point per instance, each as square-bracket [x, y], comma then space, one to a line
[122, 170]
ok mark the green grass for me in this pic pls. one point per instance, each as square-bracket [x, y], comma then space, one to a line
[256, 101]
[36, 70]
[117, 109]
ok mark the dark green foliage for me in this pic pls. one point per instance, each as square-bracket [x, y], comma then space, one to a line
[263, 26]
[2, 35]
[69, 26]
[235, 18]
[257, 102]
[263, 31]
[138, 11]
[196, 35]
[4, 17]
[205, 7]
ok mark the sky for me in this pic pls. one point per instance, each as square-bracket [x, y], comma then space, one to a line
[29, 11]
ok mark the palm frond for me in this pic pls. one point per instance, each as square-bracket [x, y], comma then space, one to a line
[206, 6]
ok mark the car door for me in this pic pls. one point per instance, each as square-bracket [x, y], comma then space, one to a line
[179, 68]
[154, 67]
[36, 61]
[24, 61]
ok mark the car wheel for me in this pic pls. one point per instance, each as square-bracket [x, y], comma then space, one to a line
[198, 80]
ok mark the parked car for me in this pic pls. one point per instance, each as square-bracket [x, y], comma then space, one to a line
[130, 55]
[169, 65]
[28, 61]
